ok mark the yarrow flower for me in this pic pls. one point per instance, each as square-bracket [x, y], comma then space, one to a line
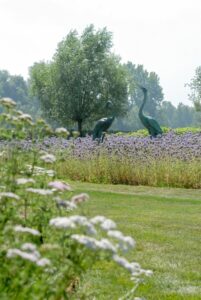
[105, 244]
[80, 198]
[2, 153]
[94, 244]
[48, 158]
[61, 130]
[25, 117]
[133, 268]
[21, 181]
[8, 102]
[19, 228]
[80, 220]
[28, 247]
[42, 192]
[43, 262]
[32, 255]
[60, 186]
[125, 241]
[50, 173]
[9, 195]
[19, 112]
[87, 241]
[62, 222]
[108, 224]
[98, 219]
[83, 221]
[25, 255]
[37, 171]
[66, 204]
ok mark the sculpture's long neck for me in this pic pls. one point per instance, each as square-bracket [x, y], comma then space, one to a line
[143, 104]
[111, 119]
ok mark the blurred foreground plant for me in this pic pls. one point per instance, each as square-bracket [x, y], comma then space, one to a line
[45, 247]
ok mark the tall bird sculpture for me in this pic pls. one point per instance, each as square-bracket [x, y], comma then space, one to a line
[150, 123]
[103, 125]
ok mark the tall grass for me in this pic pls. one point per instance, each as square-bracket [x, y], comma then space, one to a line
[103, 169]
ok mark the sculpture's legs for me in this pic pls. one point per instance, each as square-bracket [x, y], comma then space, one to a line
[103, 136]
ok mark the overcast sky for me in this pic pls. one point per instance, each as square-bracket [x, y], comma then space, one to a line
[164, 36]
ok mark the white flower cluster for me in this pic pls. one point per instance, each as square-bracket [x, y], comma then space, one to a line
[83, 197]
[62, 222]
[61, 130]
[37, 171]
[19, 228]
[29, 252]
[122, 242]
[25, 117]
[22, 181]
[42, 192]
[9, 195]
[68, 205]
[48, 158]
[125, 242]
[133, 267]
[92, 243]
[105, 224]
[73, 222]
[7, 102]
[60, 185]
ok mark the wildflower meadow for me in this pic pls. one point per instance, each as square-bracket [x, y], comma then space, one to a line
[66, 218]
[46, 246]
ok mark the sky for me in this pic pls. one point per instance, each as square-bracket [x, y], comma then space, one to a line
[163, 36]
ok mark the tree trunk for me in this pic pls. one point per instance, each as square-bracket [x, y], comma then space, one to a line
[79, 122]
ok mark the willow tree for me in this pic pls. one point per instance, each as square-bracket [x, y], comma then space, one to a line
[82, 76]
[195, 86]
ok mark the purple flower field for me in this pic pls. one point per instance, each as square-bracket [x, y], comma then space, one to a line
[171, 160]
[185, 147]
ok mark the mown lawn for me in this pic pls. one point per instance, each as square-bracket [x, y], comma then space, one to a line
[166, 224]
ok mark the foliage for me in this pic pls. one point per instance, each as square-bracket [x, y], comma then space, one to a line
[139, 76]
[15, 87]
[167, 115]
[195, 86]
[144, 133]
[45, 248]
[81, 78]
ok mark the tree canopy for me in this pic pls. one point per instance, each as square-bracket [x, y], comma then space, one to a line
[13, 86]
[82, 76]
[195, 86]
[138, 75]
[17, 88]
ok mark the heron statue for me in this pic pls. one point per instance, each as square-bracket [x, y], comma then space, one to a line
[103, 125]
[150, 123]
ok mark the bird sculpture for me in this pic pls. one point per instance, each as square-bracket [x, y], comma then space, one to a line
[103, 125]
[150, 123]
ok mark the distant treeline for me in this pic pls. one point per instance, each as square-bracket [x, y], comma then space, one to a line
[72, 89]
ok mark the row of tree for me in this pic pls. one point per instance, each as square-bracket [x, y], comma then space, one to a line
[81, 77]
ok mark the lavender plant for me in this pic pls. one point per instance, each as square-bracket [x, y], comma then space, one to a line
[45, 247]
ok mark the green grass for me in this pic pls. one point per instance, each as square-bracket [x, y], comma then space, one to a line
[166, 225]
[144, 132]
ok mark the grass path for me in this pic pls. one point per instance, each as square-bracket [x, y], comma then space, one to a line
[166, 224]
[140, 190]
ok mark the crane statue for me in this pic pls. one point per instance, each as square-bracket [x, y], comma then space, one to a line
[150, 123]
[103, 125]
